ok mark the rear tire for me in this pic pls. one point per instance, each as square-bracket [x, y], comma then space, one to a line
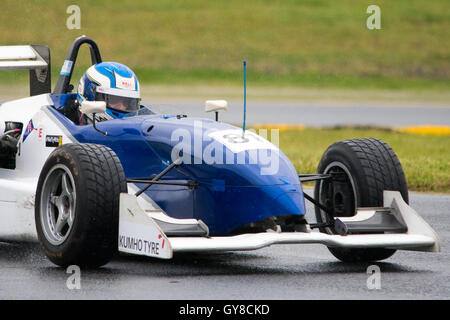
[367, 167]
[77, 205]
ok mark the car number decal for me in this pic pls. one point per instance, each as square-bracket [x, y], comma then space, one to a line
[236, 141]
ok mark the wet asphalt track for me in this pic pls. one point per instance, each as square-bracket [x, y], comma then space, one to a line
[314, 113]
[280, 272]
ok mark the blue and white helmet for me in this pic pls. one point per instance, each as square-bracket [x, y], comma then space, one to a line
[114, 83]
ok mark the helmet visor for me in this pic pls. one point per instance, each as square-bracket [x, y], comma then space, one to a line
[121, 104]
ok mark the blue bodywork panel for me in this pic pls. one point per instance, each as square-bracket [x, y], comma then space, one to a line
[228, 195]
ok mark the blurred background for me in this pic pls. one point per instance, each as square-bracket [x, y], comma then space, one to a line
[314, 69]
[309, 43]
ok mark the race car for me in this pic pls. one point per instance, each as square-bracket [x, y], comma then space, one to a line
[158, 184]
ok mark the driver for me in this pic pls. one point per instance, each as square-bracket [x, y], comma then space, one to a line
[114, 83]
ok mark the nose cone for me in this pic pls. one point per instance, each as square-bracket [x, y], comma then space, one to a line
[289, 202]
[210, 149]
[241, 178]
[238, 206]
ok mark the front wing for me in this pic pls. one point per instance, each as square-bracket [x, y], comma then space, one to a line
[140, 234]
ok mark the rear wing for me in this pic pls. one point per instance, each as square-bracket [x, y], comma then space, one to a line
[35, 58]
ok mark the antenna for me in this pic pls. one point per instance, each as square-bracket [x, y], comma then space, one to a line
[245, 96]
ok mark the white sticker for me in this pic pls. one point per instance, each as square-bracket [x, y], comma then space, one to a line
[138, 233]
[142, 240]
[67, 66]
[124, 83]
[236, 141]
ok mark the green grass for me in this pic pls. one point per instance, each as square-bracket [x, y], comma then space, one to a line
[255, 79]
[425, 158]
[315, 43]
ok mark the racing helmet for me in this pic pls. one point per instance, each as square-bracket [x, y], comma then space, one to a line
[114, 83]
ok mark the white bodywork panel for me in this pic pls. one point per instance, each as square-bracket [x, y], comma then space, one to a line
[18, 186]
[415, 223]
[138, 233]
[17, 210]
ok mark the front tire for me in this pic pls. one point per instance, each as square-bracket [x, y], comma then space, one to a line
[77, 205]
[366, 167]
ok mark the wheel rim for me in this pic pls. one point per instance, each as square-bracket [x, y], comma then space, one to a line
[58, 200]
[343, 202]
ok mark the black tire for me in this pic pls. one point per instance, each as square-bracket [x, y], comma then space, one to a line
[370, 167]
[77, 218]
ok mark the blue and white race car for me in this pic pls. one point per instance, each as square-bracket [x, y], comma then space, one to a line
[87, 184]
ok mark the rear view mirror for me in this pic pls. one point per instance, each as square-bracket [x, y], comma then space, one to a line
[90, 107]
[93, 107]
[215, 105]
